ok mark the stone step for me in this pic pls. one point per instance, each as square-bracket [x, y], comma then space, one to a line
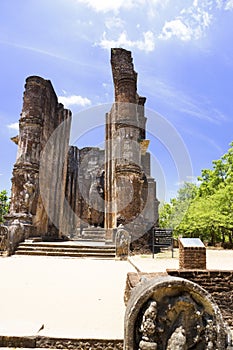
[66, 249]
[66, 254]
[88, 237]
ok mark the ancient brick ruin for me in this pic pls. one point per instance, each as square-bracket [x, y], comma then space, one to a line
[86, 192]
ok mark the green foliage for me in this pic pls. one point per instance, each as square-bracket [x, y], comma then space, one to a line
[171, 214]
[219, 176]
[4, 205]
[204, 211]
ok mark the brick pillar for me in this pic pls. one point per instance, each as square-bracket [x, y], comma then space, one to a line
[192, 254]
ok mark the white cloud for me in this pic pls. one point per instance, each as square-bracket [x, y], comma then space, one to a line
[219, 3]
[147, 44]
[114, 22]
[68, 101]
[229, 5]
[14, 126]
[199, 17]
[106, 5]
[176, 28]
[190, 24]
[116, 5]
[226, 5]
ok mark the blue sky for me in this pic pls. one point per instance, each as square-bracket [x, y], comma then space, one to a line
[183, 54]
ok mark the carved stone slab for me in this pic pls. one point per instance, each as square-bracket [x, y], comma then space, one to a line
[4, 240]
[167, 313]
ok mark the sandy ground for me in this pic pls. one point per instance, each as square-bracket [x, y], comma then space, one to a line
[215, 259]
[75, 297]
[70, 297]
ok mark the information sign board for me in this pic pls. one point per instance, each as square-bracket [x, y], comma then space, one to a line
[162, 238]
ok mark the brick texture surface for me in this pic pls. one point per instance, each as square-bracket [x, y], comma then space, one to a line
[218, 283]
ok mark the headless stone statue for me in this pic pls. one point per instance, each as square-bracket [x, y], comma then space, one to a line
[177, 340]
[148, 328]
[96, 204]
[122, 242]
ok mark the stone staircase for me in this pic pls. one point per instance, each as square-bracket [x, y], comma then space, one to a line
[67, 249]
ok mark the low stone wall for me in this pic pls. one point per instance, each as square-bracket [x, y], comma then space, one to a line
[133, 278]
[60, 343]
[218, 283]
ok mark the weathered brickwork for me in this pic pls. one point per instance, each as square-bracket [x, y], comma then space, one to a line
[134, 278]
[41, 115]
[128, 184]
[84, 190]
[192, 257]
[60, 190]
[218, 283]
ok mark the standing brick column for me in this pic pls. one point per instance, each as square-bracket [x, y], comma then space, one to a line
[125, 179]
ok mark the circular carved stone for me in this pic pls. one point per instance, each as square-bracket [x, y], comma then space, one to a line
[185, 317]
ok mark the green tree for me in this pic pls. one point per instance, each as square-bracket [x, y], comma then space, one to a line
[211, 217]
[171, 214]
[204, 211]
[221, 174]
[4, 205]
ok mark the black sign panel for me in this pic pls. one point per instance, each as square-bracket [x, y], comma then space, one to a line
[163, 237]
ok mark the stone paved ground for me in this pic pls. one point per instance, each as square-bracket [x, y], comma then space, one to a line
[76, 298]
[215, 259]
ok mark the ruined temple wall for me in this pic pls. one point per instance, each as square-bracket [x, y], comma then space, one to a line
[146, 164]
[91, 186]
[125, 135]
[125, 132]
[41, 115]
[59, 167]
[71, 210]
[84, 191]
[55, 119]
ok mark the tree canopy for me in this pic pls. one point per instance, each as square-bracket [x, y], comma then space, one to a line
[4, 205]
[204, 210]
